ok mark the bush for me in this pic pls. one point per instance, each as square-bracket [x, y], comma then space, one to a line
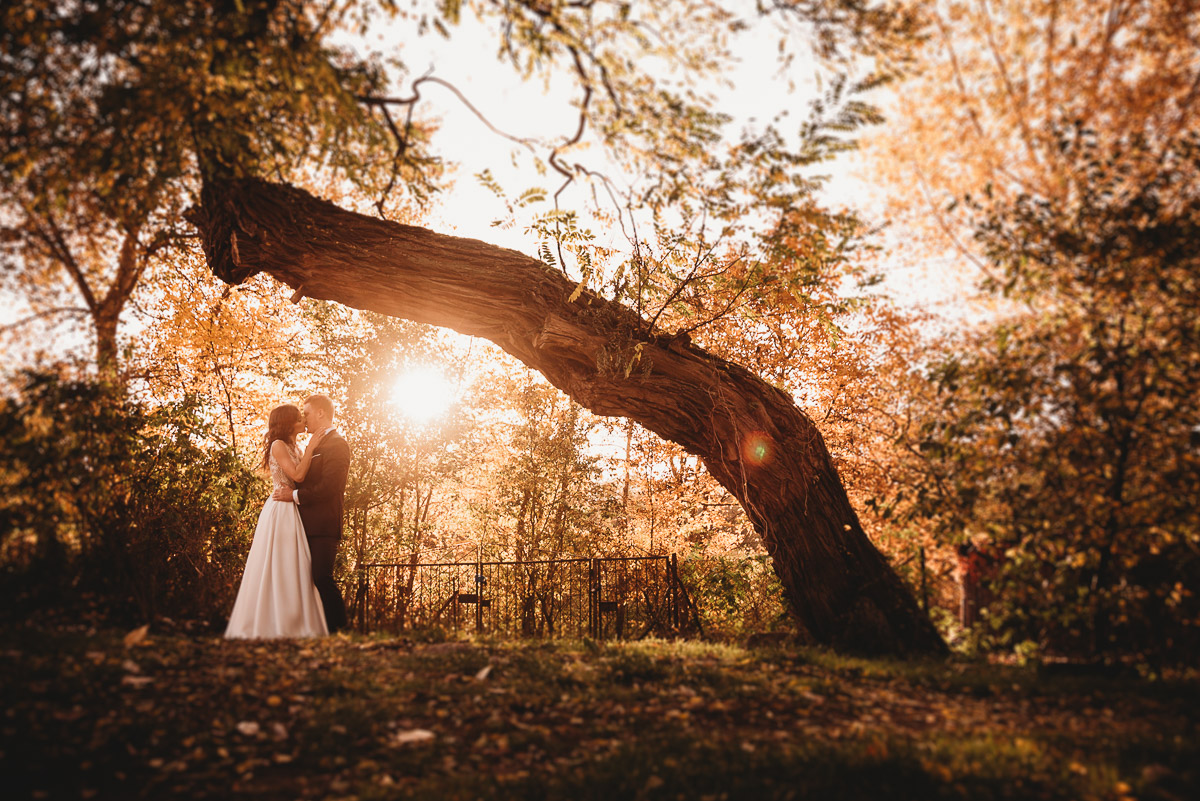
[735, 597]
[118, 504]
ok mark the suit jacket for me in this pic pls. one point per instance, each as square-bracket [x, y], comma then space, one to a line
[322, 491]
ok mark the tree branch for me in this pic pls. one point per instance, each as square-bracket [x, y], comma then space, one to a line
[24, 321]
[58, 245]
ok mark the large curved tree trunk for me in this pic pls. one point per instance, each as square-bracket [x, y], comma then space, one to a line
[751, 436]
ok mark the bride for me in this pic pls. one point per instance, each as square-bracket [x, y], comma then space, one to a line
[277, 597]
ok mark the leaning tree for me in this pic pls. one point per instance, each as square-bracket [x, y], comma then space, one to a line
[752, 437]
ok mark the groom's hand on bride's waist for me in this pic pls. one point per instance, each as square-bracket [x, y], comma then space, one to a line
[283, 494]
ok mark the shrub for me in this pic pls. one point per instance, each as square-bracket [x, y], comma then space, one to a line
[734, 597]
[127, 505]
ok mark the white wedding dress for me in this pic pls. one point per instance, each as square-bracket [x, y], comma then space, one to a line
[277, 597]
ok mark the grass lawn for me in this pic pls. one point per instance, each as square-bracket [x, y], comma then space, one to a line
[94, 714]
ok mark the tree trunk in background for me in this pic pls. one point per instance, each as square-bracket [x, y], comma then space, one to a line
[108, 363]
[751, 436]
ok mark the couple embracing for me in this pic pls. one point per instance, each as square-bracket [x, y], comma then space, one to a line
[287, 588]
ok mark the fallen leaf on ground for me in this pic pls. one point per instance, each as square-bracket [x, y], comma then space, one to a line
[137, 635]
[410, 736]
[137, 681]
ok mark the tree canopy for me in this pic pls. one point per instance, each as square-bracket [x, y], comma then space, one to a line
[113, 112]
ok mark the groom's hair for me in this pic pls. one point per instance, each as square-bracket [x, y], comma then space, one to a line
[321, 402]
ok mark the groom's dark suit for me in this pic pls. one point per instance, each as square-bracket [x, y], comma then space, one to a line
[320, 496]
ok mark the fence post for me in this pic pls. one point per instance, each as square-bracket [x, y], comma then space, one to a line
[363, 595]
[479, 582]
[594, 622]
[924, 588]
[673, 572]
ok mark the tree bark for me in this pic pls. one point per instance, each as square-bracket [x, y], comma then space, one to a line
[108, 362]
[751, 436]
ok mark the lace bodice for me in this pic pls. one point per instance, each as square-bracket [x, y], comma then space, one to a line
[278, 477]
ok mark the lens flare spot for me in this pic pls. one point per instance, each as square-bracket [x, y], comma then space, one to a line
[757, 449]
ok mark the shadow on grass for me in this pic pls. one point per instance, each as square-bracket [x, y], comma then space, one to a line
[88, 714]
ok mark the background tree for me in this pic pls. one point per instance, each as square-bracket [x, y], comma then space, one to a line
[242, 350]
[550, 487]
[992, 79]
[404, 470]
[111, 112]
[1028, 136]
[1065, 435]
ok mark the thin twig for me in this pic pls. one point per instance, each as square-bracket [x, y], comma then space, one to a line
[46, 313]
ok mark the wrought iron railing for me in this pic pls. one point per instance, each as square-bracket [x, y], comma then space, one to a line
[611, 597]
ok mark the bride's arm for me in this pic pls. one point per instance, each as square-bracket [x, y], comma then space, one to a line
[306, 460]
[294, 470]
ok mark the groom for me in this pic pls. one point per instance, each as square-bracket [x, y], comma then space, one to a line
[320, 497]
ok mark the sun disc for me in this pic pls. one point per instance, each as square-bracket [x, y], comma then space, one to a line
[422, 394]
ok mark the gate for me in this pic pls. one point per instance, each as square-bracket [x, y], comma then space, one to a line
[613, 597]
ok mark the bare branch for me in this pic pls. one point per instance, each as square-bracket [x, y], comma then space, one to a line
[699, 259]
[62, 253]
[24, 321]
[382, 102]
[726, 309]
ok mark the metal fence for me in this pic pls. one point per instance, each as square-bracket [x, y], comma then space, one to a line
[612, 597]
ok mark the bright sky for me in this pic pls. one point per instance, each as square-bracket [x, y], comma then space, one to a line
[759, 89]
[529, 110]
